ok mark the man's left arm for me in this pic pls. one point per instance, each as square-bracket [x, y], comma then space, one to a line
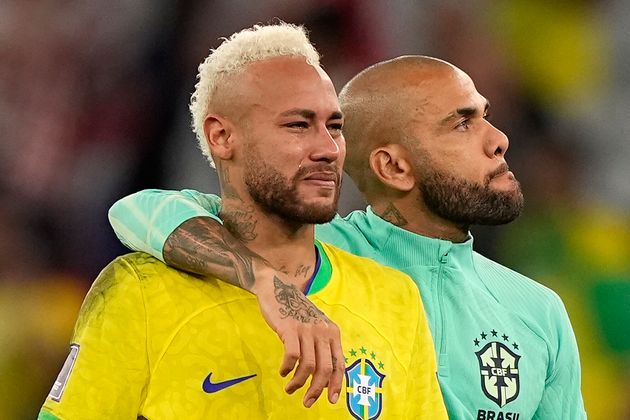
[562, 397]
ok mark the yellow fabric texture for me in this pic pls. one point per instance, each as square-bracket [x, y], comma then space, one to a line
[150, 335]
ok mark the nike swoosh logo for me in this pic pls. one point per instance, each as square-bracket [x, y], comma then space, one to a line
[211, 387]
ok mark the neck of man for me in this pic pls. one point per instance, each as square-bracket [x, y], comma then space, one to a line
[411, 214]
[287, 245]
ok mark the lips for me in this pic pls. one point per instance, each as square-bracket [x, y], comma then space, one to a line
[501, 170]
[321, 176]
[322, 179]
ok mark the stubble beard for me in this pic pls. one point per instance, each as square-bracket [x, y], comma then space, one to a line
[277, 194]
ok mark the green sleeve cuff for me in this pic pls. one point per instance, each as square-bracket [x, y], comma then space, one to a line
[46, 415]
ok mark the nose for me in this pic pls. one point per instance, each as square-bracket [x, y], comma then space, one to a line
[497, 142]
[327, 147]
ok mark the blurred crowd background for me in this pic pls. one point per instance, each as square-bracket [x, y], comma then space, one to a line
[93, 106]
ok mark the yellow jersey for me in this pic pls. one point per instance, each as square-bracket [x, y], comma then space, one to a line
[156, 343]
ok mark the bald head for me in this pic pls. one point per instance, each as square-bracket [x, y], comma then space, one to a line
[379, 104]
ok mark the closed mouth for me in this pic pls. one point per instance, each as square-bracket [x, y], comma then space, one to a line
[322, 176]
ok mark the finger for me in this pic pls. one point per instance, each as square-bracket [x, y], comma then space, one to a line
[338, 373]
[291, 353]
[306, 365]
[321, 375]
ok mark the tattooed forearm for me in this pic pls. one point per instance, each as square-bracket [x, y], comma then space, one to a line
[203, 246]
[293, 303]
[393, 216]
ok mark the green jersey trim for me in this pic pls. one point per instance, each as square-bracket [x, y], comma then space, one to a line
[324, 272]
[45, 415]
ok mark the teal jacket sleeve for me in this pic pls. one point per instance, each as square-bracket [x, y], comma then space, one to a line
[562, 397]
[144, 220]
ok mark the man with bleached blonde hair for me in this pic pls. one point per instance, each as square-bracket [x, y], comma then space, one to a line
[154, 342]
[214, 91]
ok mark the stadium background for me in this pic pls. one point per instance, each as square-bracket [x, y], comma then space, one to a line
[93, 106]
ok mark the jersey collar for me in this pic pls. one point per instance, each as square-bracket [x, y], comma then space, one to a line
[321, 274]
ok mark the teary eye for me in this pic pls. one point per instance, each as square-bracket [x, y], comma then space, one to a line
[335, 128]
[297, 124]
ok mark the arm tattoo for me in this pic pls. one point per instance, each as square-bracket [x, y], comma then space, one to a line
[295, 305]
[202, 245]
[393, 216]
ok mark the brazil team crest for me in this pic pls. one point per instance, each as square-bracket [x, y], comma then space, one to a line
[498, 367]
[364, 392]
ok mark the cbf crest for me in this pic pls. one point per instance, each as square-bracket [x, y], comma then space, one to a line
[364, 392]
[498, 368]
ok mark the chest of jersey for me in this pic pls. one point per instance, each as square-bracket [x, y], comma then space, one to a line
[491, 363]
[226, 374]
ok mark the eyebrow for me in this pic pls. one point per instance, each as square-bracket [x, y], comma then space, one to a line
[463, 112]
[308, 114]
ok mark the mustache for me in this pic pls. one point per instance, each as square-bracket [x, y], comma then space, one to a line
[304, 171]
[503, 168]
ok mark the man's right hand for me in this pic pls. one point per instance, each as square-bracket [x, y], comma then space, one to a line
[311, 340]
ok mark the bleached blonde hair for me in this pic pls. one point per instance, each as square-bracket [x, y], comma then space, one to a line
[257, 43]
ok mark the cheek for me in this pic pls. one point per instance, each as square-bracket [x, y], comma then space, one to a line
[286, 167]
[454, 161]
[462, 165]
[284, 155]
[270, 162]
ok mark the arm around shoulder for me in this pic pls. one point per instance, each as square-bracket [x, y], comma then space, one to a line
[194, 240]
[143, 221]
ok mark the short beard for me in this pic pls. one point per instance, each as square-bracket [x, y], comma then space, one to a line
[278, 195]
[466, 203]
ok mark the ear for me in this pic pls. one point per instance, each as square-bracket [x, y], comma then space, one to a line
[391, 165]
[218, 131]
